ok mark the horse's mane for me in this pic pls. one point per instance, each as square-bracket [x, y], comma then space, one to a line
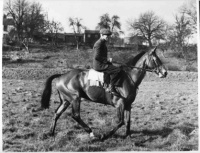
[133, 60]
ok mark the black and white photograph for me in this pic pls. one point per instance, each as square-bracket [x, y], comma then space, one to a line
[99, 75]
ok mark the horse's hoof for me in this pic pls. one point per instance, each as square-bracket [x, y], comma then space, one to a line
[93, 137]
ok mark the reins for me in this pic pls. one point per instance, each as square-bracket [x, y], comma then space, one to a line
[149, 70]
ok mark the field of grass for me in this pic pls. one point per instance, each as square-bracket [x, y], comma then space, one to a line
[63, 57]
[163, 119]
[164, 115]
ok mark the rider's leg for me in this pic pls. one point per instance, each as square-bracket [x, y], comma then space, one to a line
[114, 73]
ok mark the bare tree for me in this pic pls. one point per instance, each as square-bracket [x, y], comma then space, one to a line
[18, 9]
[116, 26]
[28, 18]
[53, 27]
[113, 24]
[148, 25]
[34, 19]
[77, 26]
[180, 33]
[104, 22]
[190, 12]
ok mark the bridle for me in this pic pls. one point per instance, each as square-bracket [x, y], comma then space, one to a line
[156, 67]
[145, 69]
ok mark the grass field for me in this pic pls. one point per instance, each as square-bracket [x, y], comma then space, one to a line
[164, 115]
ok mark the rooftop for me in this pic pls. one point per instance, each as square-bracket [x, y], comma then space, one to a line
[91, 31]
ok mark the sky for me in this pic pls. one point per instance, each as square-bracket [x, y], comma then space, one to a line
[91, 10]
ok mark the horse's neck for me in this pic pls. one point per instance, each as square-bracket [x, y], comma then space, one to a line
[138, 74]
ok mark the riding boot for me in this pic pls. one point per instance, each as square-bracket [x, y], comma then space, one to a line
[113, 91]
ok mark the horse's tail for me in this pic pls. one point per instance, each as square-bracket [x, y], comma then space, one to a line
[47, 91]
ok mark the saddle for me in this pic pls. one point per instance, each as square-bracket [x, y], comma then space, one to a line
[98, 83]
[99, 79]
[99, 86]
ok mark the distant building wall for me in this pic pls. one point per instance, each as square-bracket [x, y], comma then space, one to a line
[91, 36]
[8, 24]
[70, 38]
[134, 40]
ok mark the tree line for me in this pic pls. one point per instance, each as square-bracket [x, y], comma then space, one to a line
[29, 18]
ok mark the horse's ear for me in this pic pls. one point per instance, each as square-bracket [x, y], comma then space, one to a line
[153, 50]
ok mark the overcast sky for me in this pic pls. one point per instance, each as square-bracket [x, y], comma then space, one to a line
[90, 10]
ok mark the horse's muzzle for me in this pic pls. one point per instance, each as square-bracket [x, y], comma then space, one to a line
[162, 73]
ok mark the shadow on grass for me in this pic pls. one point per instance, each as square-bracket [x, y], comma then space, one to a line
[186, 128]
[22, 61]
[143, 136]
[151, 135]
[161, 132]
[158, 132]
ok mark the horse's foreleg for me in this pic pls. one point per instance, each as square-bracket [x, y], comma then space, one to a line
[128, 120]
[76, 116]
[120, 116]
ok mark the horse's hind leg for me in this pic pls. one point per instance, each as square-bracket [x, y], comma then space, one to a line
[76, 116]
[61, 108]
[120, 116]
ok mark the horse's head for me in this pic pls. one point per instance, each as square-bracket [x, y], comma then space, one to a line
[154, 63]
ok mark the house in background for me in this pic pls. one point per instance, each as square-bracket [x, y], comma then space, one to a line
[8, 23]
[134, 40]
[8, 29]
[90, 37]
[70, 38]
[135, 43]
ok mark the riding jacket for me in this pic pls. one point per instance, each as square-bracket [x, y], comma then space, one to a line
[100, 62]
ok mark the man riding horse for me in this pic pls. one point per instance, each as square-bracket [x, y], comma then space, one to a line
[101, 62]
[73, 86]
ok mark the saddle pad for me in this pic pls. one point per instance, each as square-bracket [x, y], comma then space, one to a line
[95, 75]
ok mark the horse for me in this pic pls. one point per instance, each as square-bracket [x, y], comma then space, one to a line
[73, 86]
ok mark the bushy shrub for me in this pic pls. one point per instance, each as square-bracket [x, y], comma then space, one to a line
[173, 68]
[191, 68]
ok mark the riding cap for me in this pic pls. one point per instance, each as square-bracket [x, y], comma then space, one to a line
[105, 32]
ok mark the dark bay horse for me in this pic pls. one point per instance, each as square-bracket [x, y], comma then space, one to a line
[73, 86]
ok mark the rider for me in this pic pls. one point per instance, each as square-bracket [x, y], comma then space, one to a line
[101, 62]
